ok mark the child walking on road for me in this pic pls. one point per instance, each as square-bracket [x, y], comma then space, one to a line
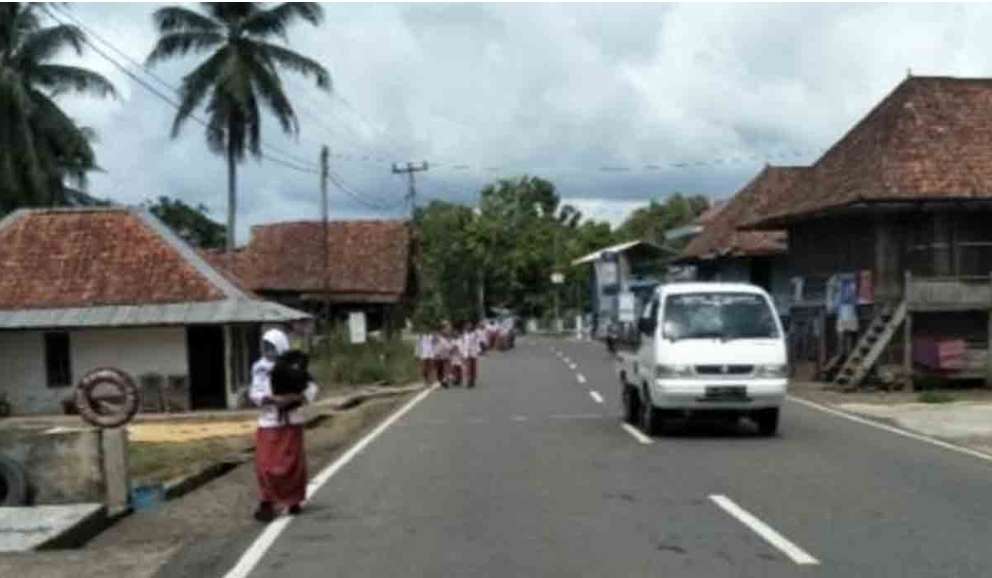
[471, 348]
[456, 362]
[280, 463]
[426, 347]
[443, 345]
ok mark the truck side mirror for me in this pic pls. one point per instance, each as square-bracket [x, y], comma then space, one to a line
[646, 325]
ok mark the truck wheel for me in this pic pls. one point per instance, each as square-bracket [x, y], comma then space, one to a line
[650, 417]
[13, 483]
[767, 420]
[630, 409]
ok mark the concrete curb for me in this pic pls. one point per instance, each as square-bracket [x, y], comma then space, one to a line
[351, 400]
[81, 532]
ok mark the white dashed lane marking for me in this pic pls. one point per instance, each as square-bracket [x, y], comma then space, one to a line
[637, 434]
[596, 397]
[795, 553]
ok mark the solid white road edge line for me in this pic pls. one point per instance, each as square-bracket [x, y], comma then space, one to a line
[261, 545]
[581, 378]
[795, 553]
[596, 397]
[893, 429]
[637, 434]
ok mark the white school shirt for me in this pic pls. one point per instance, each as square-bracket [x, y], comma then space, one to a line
[425, 346]
[261, 388]
[442, 347]
[471, 346]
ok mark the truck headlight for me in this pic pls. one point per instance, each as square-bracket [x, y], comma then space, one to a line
[772, 371]
[662, 371]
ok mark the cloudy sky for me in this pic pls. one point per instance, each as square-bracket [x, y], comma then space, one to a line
[616, 104]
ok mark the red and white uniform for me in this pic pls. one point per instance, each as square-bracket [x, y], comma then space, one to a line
[280, 466]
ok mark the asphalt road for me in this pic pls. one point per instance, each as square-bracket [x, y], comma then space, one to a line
[531, 474]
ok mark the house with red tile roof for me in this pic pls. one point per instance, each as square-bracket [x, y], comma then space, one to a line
[721, 251]
[899, 207]
[113, 286]
[363, 266]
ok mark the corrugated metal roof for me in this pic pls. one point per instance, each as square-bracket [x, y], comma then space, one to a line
[592, 257]
[212, 312]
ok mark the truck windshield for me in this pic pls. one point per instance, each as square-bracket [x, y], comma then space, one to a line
[718, 315]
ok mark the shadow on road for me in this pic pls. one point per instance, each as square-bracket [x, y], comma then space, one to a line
[709, 428]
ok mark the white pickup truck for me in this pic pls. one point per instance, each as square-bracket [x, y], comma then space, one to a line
[715, 348]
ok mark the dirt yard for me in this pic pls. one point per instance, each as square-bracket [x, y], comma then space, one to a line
[815, 391]
[209, 517]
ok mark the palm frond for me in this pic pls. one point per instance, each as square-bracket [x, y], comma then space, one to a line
[196, 85]
[270, 88]
[179, 43]
[297, 63]
[276, 20]
[179, 19]
[60, 78]
[17, 20]
[47, 42]
[231, 13]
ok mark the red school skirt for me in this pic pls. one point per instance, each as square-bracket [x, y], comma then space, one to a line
[280, 465]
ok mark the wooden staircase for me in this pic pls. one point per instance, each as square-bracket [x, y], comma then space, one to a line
[870, 346]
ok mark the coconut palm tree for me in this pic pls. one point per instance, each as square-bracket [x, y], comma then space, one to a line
[241, 72]
[40, 146]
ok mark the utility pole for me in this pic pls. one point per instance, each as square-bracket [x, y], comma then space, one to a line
[324, 156]
[409, 171]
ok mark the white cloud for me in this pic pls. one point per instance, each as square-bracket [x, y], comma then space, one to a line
[560, 91]
[613, 211]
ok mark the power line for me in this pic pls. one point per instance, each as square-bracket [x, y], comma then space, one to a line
[294, 164]
[359, 197]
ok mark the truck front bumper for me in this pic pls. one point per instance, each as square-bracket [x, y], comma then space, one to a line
[701, 394]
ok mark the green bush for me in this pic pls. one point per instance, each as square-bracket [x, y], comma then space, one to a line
[934, 397]
[389, 361]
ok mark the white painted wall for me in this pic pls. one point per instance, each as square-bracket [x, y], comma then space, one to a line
[136, 351]
[22, 378]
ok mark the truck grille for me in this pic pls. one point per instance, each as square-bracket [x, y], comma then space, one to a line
[724, 369]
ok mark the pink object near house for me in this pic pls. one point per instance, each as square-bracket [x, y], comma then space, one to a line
[940, 354]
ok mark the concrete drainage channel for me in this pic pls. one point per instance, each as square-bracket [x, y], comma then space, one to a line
[60, 525]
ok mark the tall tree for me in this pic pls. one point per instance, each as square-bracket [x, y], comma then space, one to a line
[502, 254]
[652, 222]
[241, 72]
[189, 222]
[40, 146]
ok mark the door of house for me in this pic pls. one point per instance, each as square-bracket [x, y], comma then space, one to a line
[761, 273]
[207, 383]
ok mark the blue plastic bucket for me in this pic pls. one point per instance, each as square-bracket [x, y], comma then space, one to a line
[147, 497]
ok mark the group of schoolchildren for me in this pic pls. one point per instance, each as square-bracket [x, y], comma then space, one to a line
[448, 356]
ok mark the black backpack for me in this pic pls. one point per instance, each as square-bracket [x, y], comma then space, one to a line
[291, 374]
